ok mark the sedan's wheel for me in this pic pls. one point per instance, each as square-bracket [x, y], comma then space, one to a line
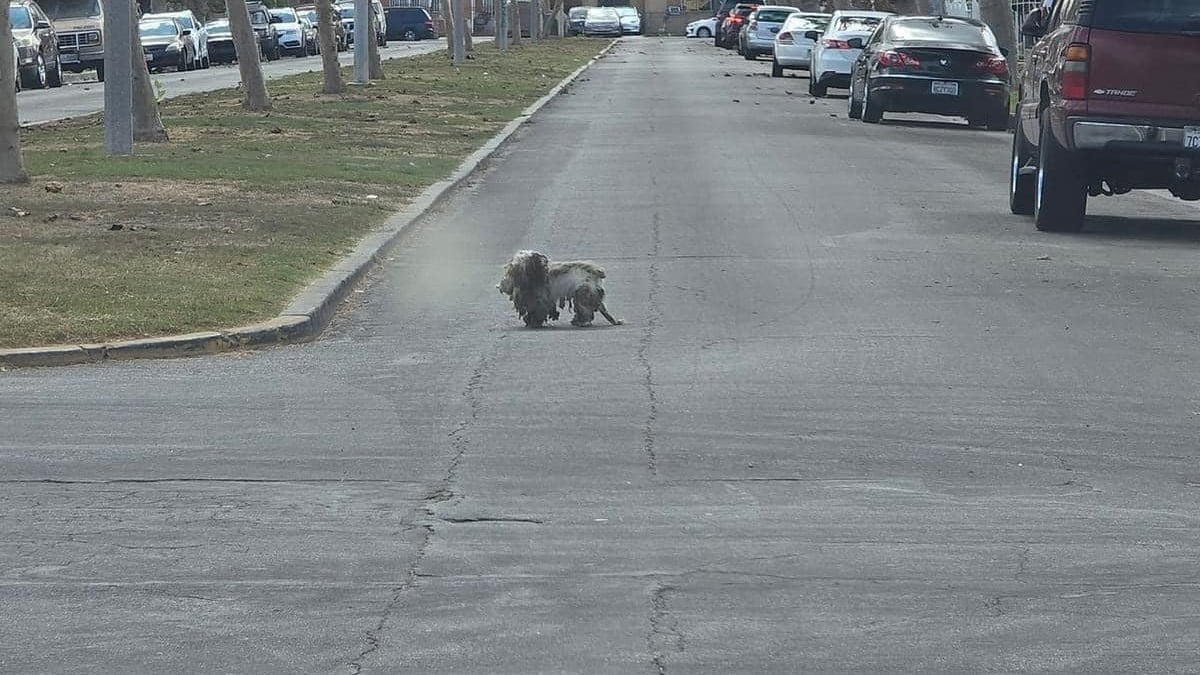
[749, 55]
[854, 107]
[1060, 195]
[872, 112]
[703, 33]
[1021, 182]
[776, 69]
[410, 35]
[815, 88]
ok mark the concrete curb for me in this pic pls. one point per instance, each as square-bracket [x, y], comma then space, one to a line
[311, 311]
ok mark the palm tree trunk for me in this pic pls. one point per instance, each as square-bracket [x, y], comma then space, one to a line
[329, 53]
[147, 122]
[12, 164]
[374, 64]
[245, 43]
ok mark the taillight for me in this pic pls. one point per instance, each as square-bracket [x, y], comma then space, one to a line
[786, 39]
[830, 43]
[895, 59]
[994, 65]
[1075, 72]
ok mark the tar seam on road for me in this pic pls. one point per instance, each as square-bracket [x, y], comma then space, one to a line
[643, 349]
[664, 637]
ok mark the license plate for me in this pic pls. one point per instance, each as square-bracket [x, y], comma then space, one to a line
[68, 58]
[944, 88]
[1191, 138]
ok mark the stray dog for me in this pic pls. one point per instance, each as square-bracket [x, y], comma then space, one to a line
[538, 288]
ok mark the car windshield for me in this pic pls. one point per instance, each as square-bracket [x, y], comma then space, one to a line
[1148, 16]
[186, 21]
[311, 15]
[602, 14]
[218, 28]
[286, 15]
[70, 9]
[577, 12]
[942, 32]
[347, 11]
[774, 15]
[18, 18]
[626, 11]
[259, 17]
[157, 28]
[847, 24]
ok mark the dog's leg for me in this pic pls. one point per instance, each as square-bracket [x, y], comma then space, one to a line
[604, 311]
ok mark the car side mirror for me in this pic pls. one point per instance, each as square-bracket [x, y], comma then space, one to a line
[854, 43]
[186, 32]
[812, 35]
[1032, 26]
[43, 25]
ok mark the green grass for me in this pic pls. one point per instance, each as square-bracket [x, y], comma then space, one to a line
[226, 223]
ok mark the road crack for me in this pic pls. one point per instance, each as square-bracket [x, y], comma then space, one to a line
[664, 637]
[649, 429]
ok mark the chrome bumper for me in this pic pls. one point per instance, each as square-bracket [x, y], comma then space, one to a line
[1097, 135]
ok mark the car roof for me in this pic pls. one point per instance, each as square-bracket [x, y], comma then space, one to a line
[861, 12]
[781, 7]
[944, 19]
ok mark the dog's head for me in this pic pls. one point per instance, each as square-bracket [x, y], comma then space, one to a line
[525, 270]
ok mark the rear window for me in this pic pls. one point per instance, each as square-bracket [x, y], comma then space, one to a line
[955, 32]
[776, 15]
[1148, 16]
[865, 24]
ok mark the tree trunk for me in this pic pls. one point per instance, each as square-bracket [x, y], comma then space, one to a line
[245, 44]
[998, 15]
[374, 64]
[329, 52]
[147, 122]
[514, 22]
[467, 20]
[450, 26]
[12, 164]
[549, 22]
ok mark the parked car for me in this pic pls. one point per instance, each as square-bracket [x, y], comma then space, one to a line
[37, 63]
[702, 28]
[80, 28]
[758, 32]
[264, 27]
[932, 64]
[16, 71]
[220, 42]
[311, 39]
[293, 39]
[346, 9]
[409, 24]
[793, 49]
[576, 16]
[731, 28]
[719, 19]
[837, 48]
[1107, 104]
[339, 31]
[631, 21]
[166, 44]
[602, 21]
[198, 36]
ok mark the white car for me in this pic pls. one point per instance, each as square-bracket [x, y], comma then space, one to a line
[704, 28]
[792, 49]
[293, 38]
[631, 21]
[838, 47]
[16, 72]
[199, 35]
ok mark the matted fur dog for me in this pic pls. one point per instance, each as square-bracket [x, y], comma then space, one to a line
[538, 288]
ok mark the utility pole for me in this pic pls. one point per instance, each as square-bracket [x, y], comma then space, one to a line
[362, 34]
[502, 24]
[118, 78]
[460, 42]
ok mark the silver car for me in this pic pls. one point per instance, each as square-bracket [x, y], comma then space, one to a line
[198, 35]
[602, 21]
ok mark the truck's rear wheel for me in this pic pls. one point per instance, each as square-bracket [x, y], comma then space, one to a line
[1061, 191]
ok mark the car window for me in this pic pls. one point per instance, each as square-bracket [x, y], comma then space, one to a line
[186, 21]
[19, 19]
[259, 16]
[1148, 16]
[941, 32]
[157, 28]
[577, 12]
[776, 15]
[71, 9]
[347, 11]
[854, 23]
[218, 29]
[287, 15]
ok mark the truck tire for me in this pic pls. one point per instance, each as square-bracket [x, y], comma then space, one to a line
[1060, 194]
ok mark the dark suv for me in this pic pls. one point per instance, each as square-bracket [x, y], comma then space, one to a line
[1109, 102]
[409, 23]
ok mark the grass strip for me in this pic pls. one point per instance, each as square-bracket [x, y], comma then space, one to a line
[222, 226]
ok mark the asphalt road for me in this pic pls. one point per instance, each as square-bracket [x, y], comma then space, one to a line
[83, 95]
[860, 419]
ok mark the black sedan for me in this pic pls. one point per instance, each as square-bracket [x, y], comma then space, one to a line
[928, 64]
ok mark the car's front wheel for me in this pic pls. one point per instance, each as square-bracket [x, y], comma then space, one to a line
[872, 112]
[816, 88]
[703, 33]
[36, 78]
[1060, 195]
[54, 74]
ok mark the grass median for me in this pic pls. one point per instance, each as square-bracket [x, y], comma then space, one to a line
[222, 226]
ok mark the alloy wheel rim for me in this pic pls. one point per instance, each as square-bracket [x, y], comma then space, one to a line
[41, 71]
